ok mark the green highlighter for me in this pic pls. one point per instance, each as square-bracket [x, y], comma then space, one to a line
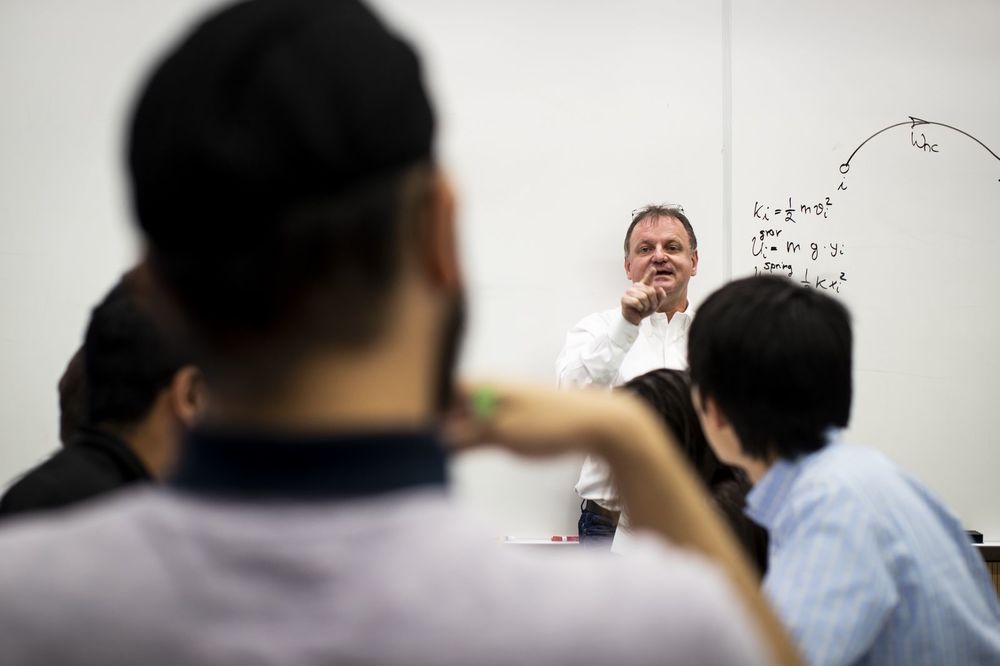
[484, 402]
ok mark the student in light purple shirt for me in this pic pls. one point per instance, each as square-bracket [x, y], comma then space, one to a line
[865, 565]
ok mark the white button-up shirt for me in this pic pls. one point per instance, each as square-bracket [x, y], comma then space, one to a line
[606, 350]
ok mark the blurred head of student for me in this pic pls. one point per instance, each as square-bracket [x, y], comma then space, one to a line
[771, 366]
[136, 384]
[295, 218]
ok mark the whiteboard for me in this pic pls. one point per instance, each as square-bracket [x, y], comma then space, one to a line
[865, 163]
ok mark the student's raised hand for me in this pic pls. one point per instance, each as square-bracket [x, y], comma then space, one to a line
[642, 298]
[536, 421]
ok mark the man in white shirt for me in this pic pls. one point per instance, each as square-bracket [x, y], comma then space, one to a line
[647, 331]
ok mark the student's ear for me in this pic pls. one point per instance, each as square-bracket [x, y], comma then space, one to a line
[441, 245]
[718, 430]
[716, 416]
[187, 395]
[708, 409]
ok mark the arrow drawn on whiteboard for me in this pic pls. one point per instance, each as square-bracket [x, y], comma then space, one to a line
[913, 122]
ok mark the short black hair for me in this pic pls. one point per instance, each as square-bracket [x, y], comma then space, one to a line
[127, 360]
[654, 211]
[776, 358]
[278, 155]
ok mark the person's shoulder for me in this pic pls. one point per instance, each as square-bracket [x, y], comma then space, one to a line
[58, 561]
[56, 566]
[873, 485]
[55, 542]
[658, 603]
[43, 485]
[848, 468]
[841, 484]
[70, 475]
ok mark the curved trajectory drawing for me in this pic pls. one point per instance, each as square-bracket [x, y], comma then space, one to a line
[913, 122]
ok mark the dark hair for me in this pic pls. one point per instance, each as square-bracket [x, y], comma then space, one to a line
[668, 392]
[72, 398]
[731, 498]
[127, 360]
[322, 275]
[653, 211]
[776, 358]
[277, 155]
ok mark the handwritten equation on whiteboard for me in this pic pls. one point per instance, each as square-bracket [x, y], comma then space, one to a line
[798, 239]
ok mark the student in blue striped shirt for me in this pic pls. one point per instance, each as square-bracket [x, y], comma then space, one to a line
[866, 565]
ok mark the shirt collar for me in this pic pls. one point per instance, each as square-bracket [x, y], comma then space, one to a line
[681, 318]
[308, 466]
[769, 495]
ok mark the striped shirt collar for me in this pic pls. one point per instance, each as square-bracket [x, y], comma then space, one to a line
[769, 495]
[283, 466]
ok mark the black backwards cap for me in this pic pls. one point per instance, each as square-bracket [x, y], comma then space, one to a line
[265, 106]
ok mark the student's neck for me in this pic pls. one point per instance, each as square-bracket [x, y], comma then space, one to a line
[756, 469]
[338, 392]
[390, 383]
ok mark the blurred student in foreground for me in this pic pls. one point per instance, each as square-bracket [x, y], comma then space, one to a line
[138, 398]
[282, 173]
[669, 393]
[865, 565]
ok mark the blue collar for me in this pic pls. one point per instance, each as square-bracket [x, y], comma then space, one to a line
[308, 466]
[768, 496]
